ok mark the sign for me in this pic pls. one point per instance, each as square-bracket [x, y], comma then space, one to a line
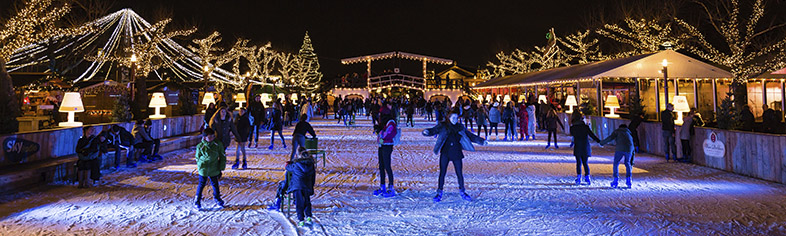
[713, 147]
[17, 149]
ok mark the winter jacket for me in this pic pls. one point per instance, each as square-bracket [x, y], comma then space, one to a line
[507, 115]
[494, 116]
[552, 122]
[210, 158]
[303, 175]
[243, 126]
[302, 127]
[523, 115]
[140, 134]
[209, 114]
[257, 110]
[531, 110]
[667, 120]
[88, 148]
[467, 138]
[223, 127]
[123, 138]
[481, 117]
[581, 133]
[388, 133]
[687, 125]
[622, 138]
[276, 120]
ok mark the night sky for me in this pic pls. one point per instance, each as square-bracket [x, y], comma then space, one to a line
[468, 32]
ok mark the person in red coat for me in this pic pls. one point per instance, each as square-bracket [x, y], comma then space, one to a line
[523, 121]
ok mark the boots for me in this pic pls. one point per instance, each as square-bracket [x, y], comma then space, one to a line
[615, 182]
[380, 191]
[587, 180]
[578, 179]
[438, 198]
[465, 196]
[237, 163]
[220, 203]
[276, 206]
[198, 203]
[390, 193]
[245, 165]
[628, 182]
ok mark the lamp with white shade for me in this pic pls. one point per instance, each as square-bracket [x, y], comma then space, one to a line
[543, 98]
[570, 102]
[680, 106]
[207, 100]
[612, 103]
[72, 103]
[157, 102]
[240, 98]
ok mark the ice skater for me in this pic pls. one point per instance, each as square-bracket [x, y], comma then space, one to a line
[301, 185]
[277, 125]
[622, 151]
[582, 150]
[452, 138]
[299, 134]
[385, 139]
[244, 128]
[552, 120]
[211, 160]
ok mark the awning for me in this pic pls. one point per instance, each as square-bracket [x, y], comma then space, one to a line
[640, 66]
[778, 74]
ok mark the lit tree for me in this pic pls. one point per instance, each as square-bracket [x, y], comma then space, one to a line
[645, 36]
[312, 78]
[233, 55]
[747, 48]
[206, 49]
[517, 62]
[293, 69]
[542, 58]
[585, 50]
[261, 62]
[33, 23]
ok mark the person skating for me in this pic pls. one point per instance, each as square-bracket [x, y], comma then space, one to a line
[410, 112]
[507, 117]
[385, 139]
[582, 150]
[482, 118]
[277, 125]
[299, 134]
[552, 120]
[222, 124]
[523, 122]
[243, 127]
[494, 119]
[634, 131]
[301, 185]
[622, 152]
[451, 140]
[531, 126]
[211, 160]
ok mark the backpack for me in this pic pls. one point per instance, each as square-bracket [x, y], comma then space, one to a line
[397, 138]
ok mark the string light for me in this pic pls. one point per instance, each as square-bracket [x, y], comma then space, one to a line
[645, 36]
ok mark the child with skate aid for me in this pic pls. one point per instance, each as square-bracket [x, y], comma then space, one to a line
[299, 181]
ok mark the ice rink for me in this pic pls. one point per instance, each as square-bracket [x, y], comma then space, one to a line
[518, 189]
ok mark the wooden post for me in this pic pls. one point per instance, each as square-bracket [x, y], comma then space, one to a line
[695, 94]
[676, 86]
[600, 97]
[657, 99]
[764, 91]
[715, 96]
[783, 98]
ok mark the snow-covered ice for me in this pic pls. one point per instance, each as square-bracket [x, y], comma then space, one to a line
[518, 189]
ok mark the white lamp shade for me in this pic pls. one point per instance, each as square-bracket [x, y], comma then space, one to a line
[543, 98]
[571, 101]
[612, 102]
[241, 97]
[157, 100]
[72, 102]
[506, 99]
[488, 97]
[208, 98]
[681, 104]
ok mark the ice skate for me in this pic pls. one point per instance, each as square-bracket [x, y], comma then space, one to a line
[588, 180]
[276, 206]
[628, 182]
[237, 164]
[466, 196]
[438, 198]
[614, 183]
[390, 193]
[379, 191]
[578, 180]
[245, 165]
[271, 147]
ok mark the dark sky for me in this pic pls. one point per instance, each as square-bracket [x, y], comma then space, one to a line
[468, 32]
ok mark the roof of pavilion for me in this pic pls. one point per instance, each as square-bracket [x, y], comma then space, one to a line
[778, 74]
[639, 66]
[396, 54]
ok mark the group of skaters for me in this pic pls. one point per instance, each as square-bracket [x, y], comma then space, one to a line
[139, 144]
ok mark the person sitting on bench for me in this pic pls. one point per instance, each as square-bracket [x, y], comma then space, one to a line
[119, 138]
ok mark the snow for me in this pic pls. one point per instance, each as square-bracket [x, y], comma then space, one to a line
[518, 189]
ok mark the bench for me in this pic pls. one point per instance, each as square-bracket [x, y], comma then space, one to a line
[64, 168]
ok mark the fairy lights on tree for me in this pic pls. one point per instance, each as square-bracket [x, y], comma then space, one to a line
[585, 50]
[644, 36]
[293, 69]
[33, 23]
[541, 58]
[312, 78]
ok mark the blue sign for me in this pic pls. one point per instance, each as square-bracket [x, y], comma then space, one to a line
[17, 150]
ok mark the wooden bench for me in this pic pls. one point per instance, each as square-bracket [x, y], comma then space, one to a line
[64, 168]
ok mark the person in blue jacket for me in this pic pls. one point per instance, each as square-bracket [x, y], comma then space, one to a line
[622, 151]
[582, 150]
[452, 138]
[301, 185]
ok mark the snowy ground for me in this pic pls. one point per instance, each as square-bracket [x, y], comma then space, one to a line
[518, 187]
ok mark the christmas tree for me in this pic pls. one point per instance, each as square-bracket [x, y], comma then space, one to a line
[312, 79]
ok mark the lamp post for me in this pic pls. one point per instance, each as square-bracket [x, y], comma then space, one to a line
[665, 64]
[141, 88]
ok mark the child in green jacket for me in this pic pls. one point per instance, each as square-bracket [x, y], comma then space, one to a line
[211, 160]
